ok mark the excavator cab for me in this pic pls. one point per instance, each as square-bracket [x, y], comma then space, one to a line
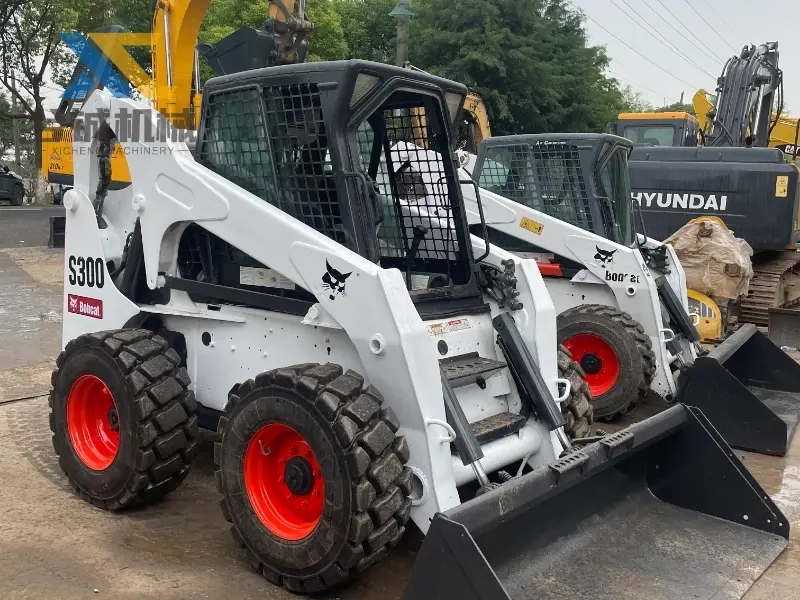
[652, 130]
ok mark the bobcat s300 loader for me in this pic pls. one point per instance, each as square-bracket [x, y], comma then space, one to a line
[359, 371]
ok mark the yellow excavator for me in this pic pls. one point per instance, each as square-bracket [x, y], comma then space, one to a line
[686, 129]
[175, 89]
[740, 127]
[475, 127]
[677, 128]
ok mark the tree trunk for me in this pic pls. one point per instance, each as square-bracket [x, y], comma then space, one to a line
[39, 185]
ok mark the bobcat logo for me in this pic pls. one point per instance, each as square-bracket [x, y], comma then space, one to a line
[73, 303]
[334, 281]
[606, 257]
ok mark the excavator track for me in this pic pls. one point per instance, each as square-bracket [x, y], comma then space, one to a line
[765, 286]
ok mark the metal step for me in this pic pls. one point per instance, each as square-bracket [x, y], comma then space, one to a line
[496, 427]
[465, 369]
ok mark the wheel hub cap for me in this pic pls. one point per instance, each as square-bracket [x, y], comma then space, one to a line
[299, 476]
[113, 418]
[597, 358]
[591, 363]
[283, 481]
[93, 422]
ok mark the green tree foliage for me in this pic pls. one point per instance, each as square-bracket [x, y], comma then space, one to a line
[677, 107]
[529, 59]
[368, 30]
[327, 41]
[633, 102]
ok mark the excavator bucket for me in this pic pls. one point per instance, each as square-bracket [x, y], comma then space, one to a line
[660, 510]
[749, 389]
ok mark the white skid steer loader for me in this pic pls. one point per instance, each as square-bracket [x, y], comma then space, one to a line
[570, 212]
[564, 201]
[357, 362]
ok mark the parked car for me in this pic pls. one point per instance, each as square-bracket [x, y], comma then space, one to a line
[11, 187]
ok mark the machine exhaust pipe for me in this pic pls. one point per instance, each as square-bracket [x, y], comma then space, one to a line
[660, 510]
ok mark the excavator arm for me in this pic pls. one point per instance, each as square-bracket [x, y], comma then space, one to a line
[703, 103]
[750, 86]
[176, 26]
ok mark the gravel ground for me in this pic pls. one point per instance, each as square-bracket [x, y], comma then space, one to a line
[54, 545]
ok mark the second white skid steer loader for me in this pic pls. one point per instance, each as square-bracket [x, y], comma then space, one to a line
[361, 368]
[621, 297]
[574, 215]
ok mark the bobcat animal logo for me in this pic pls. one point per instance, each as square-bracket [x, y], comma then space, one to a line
[73, 303]
[606, 257]
[334, 281]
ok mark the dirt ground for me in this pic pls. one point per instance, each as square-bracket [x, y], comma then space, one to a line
[53, 545]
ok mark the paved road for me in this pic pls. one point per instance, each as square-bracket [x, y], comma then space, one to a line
[26, 226]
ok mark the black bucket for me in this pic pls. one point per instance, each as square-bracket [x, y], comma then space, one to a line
[661, 510]
[749, 389]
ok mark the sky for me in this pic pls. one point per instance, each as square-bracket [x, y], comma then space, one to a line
[721, 29]
[662, 70]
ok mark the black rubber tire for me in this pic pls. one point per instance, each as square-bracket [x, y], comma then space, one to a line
[17, 195]
[577, 410]
[367, 486]
[158, 424]
[632, 346]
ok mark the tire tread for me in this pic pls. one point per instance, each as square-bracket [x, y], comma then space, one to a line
[361, 429]
[643, 343]
[164, 454]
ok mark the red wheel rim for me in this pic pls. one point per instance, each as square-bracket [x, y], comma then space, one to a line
[598, 360]
[93, 422]
[284, 482]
